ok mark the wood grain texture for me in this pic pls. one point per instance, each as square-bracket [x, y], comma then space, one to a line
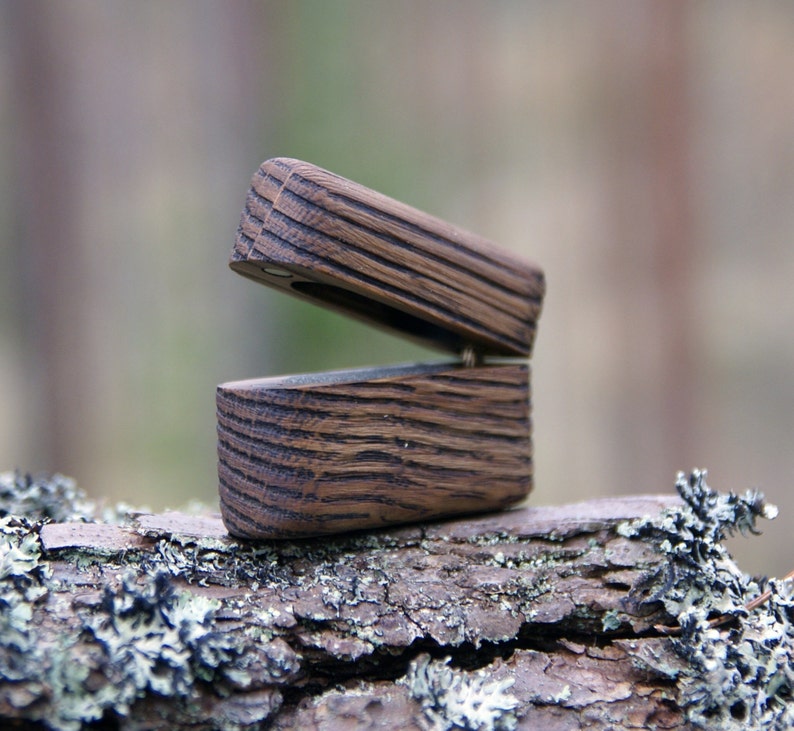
[312, 455]
[334, 242]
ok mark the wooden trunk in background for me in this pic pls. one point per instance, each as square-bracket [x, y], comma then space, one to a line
[530, 618]
[654, 247]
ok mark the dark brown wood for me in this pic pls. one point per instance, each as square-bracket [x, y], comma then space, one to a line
[333, 452]
[314, 455]
[331, 241]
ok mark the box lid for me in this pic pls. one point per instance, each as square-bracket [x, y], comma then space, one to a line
[343, 246]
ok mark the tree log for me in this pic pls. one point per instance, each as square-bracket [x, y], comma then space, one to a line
[591, 615]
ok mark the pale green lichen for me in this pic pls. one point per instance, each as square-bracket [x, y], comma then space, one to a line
[563, 695]
[742, 677]
[700, 571]
[160, 640]
[65, 675]
[22, 584]
[45, 497]
[148, 639]
[20, 552]
[736, 676]
[53, 498]
[610, 621]
[455, 699]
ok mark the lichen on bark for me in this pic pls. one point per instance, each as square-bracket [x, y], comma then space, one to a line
[537, 617]
[451, 699]
[736, 676]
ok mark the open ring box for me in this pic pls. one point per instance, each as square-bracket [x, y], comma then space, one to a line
[309, 455]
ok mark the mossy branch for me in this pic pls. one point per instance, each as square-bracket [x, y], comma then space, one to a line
[537, 617]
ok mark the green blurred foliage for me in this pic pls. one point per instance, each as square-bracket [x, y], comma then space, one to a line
[583, 136]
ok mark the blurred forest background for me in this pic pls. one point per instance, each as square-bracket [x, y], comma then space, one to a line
[641, 152]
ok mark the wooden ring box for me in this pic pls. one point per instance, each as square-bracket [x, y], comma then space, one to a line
[310, 455]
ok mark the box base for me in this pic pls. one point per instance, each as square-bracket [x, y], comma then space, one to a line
[312, 455]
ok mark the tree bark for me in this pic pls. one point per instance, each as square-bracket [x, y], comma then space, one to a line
[540, 617]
